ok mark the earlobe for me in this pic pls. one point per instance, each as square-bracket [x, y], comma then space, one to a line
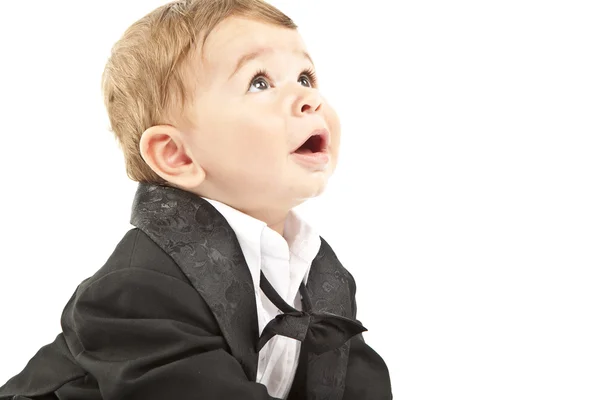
[162, 148]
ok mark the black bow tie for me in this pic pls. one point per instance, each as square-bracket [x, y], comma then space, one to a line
[319, 331]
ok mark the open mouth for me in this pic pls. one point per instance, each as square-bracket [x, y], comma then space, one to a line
[314, 144]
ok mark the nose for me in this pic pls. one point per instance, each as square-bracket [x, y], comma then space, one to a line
[308, 101]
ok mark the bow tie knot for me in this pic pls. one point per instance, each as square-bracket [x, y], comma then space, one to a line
[319, 331]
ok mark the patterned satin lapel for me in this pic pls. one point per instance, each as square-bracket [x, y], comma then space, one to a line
[328, 288]
[205, 247]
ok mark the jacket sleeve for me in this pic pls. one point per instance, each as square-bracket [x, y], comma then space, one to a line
[146, 335]
[367, 376]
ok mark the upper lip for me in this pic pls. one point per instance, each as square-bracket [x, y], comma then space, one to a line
[323, 133]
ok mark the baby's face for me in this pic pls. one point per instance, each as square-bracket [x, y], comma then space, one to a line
[254, 104]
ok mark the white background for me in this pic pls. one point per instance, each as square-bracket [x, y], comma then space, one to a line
[465, 204]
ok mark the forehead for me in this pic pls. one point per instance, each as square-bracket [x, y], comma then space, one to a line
[236, 36]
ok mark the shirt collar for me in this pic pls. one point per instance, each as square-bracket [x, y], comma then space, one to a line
[299, 237]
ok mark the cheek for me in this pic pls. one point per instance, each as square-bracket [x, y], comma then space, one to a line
[252, 141]
[260, 131]
[333, 123]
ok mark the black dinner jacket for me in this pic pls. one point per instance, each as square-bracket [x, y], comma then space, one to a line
[172, 315]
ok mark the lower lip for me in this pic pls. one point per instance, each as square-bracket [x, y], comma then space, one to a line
[312, 159]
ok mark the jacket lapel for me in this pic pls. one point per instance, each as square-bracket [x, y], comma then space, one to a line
[206, 249]
[329, 290]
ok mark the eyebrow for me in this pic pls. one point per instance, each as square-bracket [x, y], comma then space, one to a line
[257, 53]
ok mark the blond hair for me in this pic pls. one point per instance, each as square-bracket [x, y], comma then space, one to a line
[144, 80]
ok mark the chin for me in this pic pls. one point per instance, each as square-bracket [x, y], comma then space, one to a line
[316, 190]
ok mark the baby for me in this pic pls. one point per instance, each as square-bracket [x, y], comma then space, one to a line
[220, 291]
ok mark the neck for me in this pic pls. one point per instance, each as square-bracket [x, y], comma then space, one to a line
[274, 219]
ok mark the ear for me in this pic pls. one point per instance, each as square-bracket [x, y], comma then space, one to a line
[162, 148]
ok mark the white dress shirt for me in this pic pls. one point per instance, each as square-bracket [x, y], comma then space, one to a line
[285, 261]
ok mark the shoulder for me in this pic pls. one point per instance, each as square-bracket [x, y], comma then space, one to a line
[139, 280]
[137, 253]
